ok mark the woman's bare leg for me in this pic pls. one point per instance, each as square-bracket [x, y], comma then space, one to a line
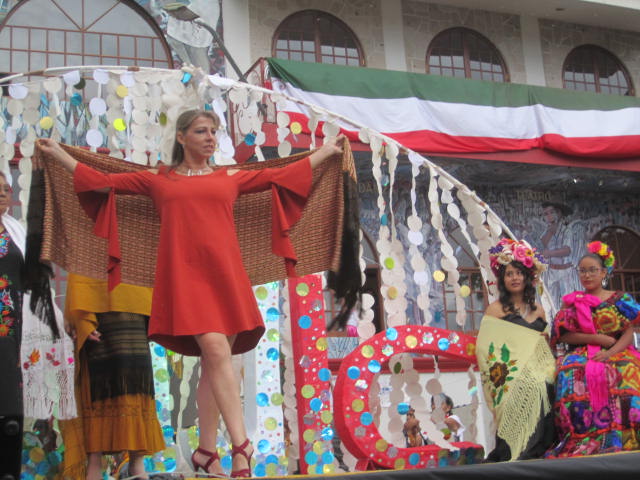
[94, 466]
[216, 361]
[136, 464]
[209, 417]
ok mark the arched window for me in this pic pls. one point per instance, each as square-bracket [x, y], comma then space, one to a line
[460, 52]
[625, 244]
[40, 33]
[313, 36]
[593, 69]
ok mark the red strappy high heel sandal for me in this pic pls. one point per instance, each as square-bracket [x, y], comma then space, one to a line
[212, 457]
[240, 450]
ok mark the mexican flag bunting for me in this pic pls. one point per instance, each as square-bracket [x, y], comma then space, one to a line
[430, 113]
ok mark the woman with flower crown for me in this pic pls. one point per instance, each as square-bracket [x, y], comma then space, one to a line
[598, 386]
[516, 364]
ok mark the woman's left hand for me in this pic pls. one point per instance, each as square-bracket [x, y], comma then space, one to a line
[332, 146]
[602, 356]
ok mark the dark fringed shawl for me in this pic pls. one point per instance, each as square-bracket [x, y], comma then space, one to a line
[346, 283]
[38, 274]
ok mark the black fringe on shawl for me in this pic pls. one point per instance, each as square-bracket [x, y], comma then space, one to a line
[38, 274]
[346, 283]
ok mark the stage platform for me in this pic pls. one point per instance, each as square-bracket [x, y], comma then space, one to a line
[615, 466]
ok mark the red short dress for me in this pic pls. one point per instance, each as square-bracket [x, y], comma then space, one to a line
[201, 284]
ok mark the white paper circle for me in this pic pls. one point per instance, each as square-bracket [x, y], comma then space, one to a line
[260, 138]
[10, 135]
[282, 119]
[418, 263]
[284, 149]
[415, 237]
[453, 210]
[363, 135]
[421, 278]
[139, 143]
[127, 79]
[71, 78]
[18, 91]
[94, 138]
[415, 158]
[244, 124]
[140, 117]
[7, 150]
[432, 195]
[282, 133]
[330, 129]
[139, 90]
[33, 101]
[15, 107]
[139, 157]
[446, 249]
[414, 222]
[445, 184]
[366, 330]
[141, 103]
[367, 301]
[475, 218]
[26, 149]
[368, 316]
[423, 301]
[226, 146]
[448, 264]
[97, 106]
[446, 196]
[31, 116]
[52, 85]
[101, 76]
[313, 123]
[480, 232]
[433, 386]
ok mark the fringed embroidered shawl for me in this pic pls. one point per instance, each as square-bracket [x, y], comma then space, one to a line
[516, 365]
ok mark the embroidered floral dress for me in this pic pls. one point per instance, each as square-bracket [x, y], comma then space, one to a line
[614, 423]
[11, 263]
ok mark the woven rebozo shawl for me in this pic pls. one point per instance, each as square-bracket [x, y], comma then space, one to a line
[69, 241]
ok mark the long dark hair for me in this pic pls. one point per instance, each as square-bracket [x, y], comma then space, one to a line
[529, 294]
[182, 125]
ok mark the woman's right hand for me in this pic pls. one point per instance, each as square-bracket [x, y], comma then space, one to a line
[94, 336]
[52, 149]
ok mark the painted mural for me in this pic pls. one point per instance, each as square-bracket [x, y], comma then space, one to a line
[559, 222]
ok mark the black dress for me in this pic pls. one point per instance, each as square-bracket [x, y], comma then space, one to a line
[544, 435]
[11, 409]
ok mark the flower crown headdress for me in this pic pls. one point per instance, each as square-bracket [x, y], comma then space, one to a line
[508, 250]
[604, 252]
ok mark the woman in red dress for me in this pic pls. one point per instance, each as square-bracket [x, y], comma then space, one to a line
[203, 303]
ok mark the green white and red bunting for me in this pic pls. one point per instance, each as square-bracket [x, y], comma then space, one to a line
[429, 113]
